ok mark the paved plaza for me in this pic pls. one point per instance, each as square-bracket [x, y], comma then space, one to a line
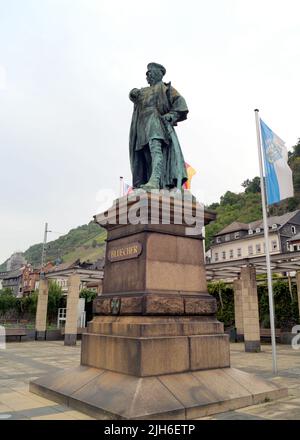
[22, 362]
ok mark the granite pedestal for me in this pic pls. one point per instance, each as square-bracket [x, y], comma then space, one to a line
[155, 349]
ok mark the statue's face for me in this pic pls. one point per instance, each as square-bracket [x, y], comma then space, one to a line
[154, 76]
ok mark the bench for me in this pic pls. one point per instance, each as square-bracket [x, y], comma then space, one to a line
[18, 332]
[265, 333]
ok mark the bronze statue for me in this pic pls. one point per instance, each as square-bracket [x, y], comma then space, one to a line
[155, 154]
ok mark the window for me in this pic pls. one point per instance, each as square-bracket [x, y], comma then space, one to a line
[216, 256]
[258, 248]
[237, 235]
[250, 232]
[274, 226]
[227, 237]
[218, 240]
[274, 245]
[250, 250]
[257, 230]
[224, 255]
[293, 229]
[239, 252]
[231, 253]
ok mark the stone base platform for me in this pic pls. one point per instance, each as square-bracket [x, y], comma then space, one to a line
[108, 395]
[154, 346]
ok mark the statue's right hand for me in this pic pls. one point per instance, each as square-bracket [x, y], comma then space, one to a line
[134, 94]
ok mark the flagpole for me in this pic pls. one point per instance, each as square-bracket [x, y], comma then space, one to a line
[121, 187]
[266, 234]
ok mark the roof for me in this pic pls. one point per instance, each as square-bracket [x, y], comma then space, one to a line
[295, 237]
[279, 220]
[282, 219]
[64, 266]
[276, 219]
[12, 274]
[233, 227]
[88, 265]
[48, 265]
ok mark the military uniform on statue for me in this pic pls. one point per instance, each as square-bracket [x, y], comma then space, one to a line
[155, 154]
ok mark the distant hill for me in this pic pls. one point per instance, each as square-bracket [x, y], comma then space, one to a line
[243, 207]
[86, 242]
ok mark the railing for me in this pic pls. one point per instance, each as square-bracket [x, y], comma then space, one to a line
[62, 316]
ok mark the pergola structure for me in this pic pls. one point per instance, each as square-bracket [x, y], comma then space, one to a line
[242, 273]
[75, 273]
[288, 262]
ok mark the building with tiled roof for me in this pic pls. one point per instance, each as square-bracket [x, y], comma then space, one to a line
[245, 240]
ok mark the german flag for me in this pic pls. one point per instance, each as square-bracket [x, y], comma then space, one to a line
[190, 172]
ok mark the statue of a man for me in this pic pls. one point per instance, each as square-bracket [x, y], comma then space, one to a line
[155, 155]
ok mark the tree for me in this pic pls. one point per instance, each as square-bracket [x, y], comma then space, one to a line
[8, 300]
[6, 291]
[252, 186]
[296, 152]
[28, 304]
[88, 295]
[55, 300]
[229, 198]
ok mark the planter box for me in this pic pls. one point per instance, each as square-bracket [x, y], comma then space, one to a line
[286, 337]
[54, 335]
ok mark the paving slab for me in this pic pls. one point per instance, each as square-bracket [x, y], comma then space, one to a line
[23, 362]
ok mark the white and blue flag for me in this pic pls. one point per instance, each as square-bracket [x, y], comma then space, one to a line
[278, 175]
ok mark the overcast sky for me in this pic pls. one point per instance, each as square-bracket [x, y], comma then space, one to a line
[66, 67]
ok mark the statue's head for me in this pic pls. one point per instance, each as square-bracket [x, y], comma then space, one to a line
[155, 73]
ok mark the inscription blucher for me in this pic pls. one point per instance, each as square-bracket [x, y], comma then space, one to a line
[132, 250]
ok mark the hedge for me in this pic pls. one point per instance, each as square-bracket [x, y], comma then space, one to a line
[18, 308]
[286, 308]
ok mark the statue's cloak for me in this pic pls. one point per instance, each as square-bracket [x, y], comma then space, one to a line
[174, 173]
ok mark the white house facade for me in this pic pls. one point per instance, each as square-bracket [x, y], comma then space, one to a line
[246, 240]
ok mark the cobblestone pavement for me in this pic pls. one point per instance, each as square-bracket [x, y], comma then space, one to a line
[288, 361]
[22, 362]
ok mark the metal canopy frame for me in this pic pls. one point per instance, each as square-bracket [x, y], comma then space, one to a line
[86, 275]
[225, 270]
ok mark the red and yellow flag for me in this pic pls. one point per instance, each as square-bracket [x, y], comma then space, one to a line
[190, 172]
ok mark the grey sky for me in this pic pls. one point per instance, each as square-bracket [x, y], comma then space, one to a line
[66, 67]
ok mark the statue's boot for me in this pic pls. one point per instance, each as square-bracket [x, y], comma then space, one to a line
[157, 162]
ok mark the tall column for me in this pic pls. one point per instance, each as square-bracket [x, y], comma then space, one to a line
[298, 290]
[41, 311]
[72, 306]
[238, 309]
[250, 309]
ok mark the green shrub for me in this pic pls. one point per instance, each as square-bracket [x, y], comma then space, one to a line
[224, 296]
[286, 308]
[28, 304]
[88, 295]
[55, 300]
[7, 301]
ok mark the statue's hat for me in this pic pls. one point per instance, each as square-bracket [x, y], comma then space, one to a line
[157, 66]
